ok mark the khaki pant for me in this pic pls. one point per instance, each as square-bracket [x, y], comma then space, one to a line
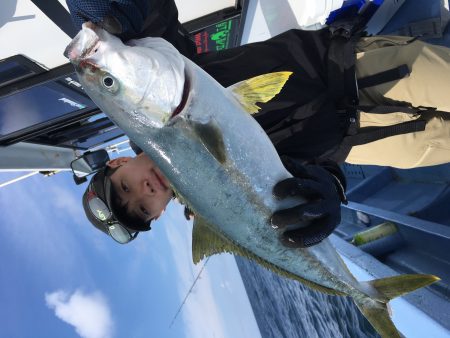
[427, 86]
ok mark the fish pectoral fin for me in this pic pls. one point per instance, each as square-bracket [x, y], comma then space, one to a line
[260, 88]
[210, 136]
[207, 242]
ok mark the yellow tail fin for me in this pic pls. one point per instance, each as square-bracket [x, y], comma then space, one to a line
[376, 311]
[396, 286]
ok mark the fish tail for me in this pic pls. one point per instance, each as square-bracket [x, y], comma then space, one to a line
[377, 310]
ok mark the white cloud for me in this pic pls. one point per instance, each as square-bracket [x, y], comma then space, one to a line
[88, 313]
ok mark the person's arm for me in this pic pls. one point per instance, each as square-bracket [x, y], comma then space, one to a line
[323, 186]
[134, 19]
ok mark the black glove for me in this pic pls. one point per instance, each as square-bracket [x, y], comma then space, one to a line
[134, 19]
[125, 18]
[323, 187]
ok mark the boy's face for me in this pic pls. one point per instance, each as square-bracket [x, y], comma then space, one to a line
[140, 186]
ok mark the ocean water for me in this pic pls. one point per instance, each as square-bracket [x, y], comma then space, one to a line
[286, 309]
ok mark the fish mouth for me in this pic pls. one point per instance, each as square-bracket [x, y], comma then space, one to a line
[184, 98]
[84, 45]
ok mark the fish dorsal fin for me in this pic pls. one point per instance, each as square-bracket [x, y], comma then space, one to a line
[260, 88]
[206, 241]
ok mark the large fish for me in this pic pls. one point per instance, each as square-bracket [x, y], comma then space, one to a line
[218, 159]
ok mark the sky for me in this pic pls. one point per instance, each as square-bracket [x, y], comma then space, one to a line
[61, 277]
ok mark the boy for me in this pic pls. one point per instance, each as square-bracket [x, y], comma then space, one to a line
[130, 192]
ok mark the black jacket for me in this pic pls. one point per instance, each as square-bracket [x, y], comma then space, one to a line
[302, 121]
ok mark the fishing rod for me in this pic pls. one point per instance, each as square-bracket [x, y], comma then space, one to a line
[189, 292]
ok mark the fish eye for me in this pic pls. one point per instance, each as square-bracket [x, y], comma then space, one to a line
[110, 83]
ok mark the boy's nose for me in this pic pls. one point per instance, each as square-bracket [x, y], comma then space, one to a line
[148, 188]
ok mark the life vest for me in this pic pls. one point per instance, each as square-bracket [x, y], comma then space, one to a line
[315, 116]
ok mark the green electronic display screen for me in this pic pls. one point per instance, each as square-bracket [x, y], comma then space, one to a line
[219, 36]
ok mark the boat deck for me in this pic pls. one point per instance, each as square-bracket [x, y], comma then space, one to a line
[417, 201]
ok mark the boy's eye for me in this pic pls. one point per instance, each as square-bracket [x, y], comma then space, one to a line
[125, 187]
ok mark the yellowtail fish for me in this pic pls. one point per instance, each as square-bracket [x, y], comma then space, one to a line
[218, 159]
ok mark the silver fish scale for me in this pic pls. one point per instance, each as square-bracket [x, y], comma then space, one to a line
[214, 154]
[235, 196]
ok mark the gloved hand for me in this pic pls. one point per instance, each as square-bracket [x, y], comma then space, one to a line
[323, 187]
[124, 18]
